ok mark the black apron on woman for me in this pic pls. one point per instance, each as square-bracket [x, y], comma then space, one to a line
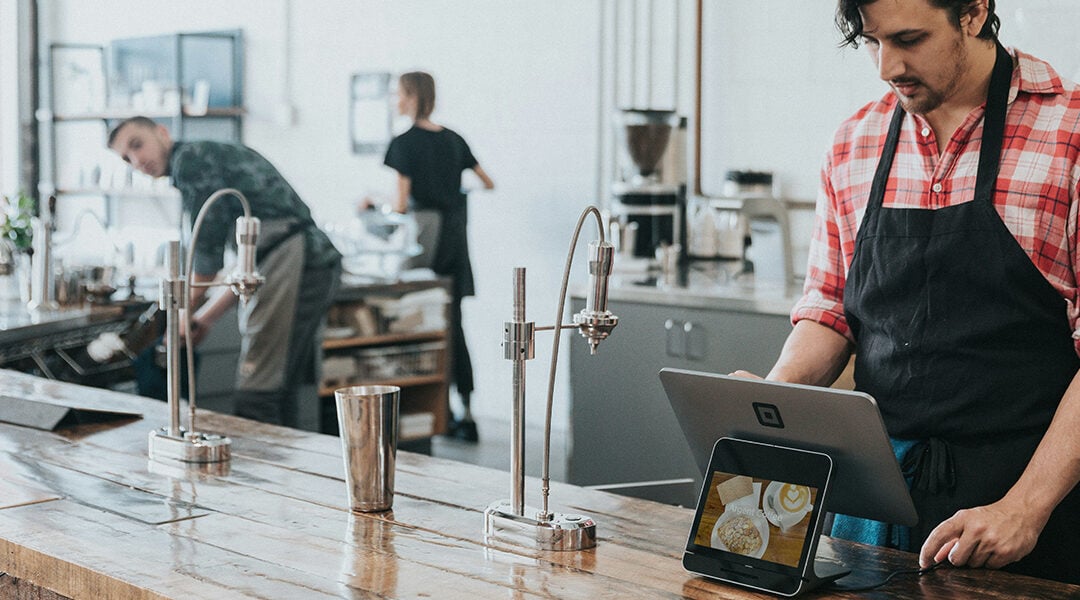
[965, 345]
[451, 258]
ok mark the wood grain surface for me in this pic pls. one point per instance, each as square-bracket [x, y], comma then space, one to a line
[85, 514]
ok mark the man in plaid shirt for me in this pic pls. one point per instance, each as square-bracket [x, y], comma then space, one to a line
[944, 257]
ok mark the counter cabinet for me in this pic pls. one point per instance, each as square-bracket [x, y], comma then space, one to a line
[623, 431]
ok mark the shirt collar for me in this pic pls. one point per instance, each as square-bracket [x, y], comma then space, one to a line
[1030, 75]
[1034, 76]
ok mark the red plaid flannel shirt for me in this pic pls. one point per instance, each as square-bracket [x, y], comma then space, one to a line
[1037, 193]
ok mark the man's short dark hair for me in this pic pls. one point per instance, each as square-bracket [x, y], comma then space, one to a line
[138, 120]
[850, 22]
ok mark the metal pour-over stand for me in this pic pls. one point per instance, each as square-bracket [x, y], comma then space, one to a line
[174, 443]
[510, 519]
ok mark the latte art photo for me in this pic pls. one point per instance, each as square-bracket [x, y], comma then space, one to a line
[794, 498]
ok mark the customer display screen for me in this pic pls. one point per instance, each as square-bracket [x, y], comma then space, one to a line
[759, 518]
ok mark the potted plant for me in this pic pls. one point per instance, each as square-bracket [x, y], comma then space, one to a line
[15, 221]
[16, 234]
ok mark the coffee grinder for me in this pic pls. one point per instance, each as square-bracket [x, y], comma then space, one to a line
[650, 190]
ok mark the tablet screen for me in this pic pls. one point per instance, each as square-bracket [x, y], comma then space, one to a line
[759, 518]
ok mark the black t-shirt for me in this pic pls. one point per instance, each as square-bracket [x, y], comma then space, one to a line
[433, 160]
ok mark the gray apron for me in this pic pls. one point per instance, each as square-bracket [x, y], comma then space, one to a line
[266, 319]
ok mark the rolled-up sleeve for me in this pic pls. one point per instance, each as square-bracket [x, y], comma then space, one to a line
[823, 292]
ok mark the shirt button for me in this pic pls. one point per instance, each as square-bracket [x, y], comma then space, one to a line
[936, 187]
[926, 132]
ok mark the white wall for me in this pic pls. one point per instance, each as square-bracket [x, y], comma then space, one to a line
[1045, 28]
[776, 85]
[522, 81]
[517, 79]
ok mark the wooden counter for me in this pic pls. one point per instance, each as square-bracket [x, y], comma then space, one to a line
[83, 514]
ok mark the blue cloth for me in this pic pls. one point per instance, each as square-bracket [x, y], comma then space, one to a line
[876, 533]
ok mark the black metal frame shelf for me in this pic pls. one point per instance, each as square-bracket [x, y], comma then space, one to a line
[175, 60]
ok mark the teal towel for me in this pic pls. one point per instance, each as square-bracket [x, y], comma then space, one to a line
[877, 533]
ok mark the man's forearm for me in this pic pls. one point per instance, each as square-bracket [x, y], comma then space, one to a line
[813, 354]
[219, 301]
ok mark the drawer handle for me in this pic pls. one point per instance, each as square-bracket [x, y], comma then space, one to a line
[693, 342]
[674, 346]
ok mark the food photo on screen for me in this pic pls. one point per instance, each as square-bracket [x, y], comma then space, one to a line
[754, 517]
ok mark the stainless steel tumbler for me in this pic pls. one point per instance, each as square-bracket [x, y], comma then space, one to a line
[368, 424]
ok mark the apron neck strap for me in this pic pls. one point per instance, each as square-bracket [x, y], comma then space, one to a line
[997, 105]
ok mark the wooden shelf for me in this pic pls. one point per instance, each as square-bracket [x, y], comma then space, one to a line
[121, 114]
[382, 340]
[421, 351]
[167, 194]
[403, 382]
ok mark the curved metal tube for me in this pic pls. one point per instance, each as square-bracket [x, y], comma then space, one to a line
[189, 349]
[545, 473]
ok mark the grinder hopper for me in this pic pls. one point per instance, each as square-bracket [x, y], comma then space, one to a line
[646, 134]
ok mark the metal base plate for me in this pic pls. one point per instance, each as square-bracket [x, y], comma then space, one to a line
[560, 532]
[189, 448]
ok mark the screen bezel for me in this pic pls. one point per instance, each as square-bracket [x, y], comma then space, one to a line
[770, 462]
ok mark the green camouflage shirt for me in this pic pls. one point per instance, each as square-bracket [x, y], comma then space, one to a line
[199, 169]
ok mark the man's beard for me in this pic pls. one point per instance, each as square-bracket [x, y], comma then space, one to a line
[931, 98]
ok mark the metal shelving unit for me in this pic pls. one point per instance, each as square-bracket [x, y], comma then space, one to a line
[128, 70]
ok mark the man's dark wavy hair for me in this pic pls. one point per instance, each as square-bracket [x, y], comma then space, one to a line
[850, 21]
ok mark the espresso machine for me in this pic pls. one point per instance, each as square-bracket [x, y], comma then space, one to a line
[649, 194]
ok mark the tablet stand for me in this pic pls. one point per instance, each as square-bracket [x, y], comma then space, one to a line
[820, 572]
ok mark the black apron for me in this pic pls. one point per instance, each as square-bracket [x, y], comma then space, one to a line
[965, 345]
[451, 254]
